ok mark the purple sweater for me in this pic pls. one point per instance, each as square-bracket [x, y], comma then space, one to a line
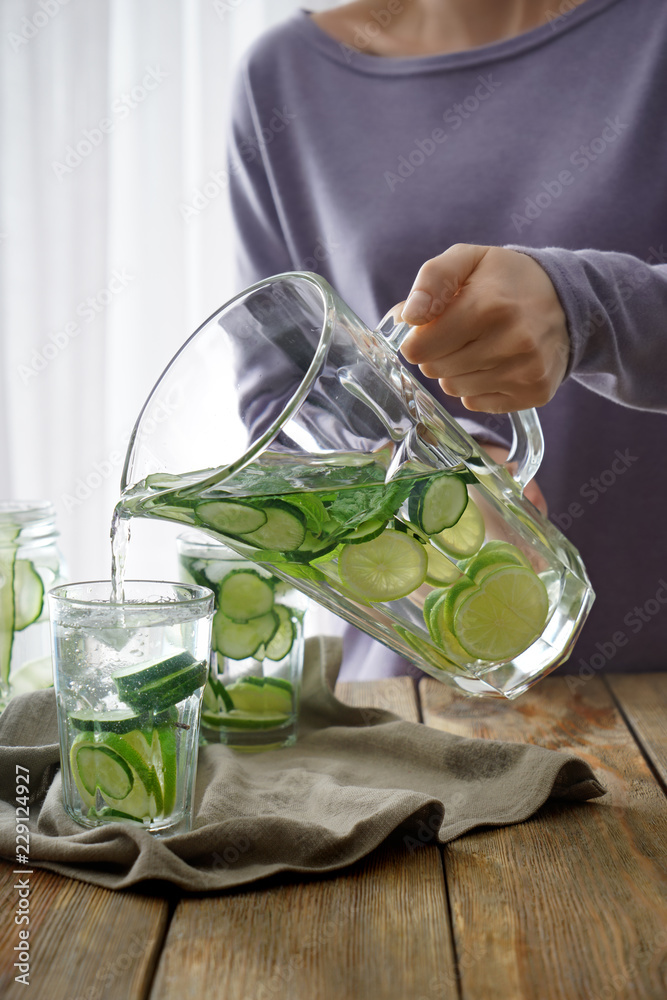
[362, 167]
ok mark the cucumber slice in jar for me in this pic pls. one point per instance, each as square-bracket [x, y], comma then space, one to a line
[438, 502]
[284, 531]
[117, 720]
[230, 517]
[165, 692]
[239, 719]
[96, 766]
[245, 595]
[238, 640]
[28, 594]
[283, 640]
[7, 559]
[138, 675]
[366, 532]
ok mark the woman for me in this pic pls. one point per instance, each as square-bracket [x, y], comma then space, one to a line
[390, 148]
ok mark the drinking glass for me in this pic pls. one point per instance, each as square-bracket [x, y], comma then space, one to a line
[129, 678]
[251, 701]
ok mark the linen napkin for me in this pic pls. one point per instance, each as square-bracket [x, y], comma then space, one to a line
[354, 776]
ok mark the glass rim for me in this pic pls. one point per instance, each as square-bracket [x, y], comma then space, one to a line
[197, 595]
[199, 540]
[26, 511]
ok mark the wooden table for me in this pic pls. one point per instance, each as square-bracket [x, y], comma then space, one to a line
[570, 904]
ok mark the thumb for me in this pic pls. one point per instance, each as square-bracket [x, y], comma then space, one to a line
[439, 280]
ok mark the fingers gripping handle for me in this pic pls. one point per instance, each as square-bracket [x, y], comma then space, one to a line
[527, 448]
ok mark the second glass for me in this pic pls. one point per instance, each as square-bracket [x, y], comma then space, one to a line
[129, 679]
[251, 701]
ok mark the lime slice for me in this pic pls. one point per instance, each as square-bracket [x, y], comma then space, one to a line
[465, 538]
[266, 698]
[139, 742]
[503, 615]
[440, 569]
[438, 622]
[164, 740]
[387, 568]
[495, 554]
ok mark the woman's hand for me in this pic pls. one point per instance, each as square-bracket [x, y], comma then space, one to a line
[489, 327]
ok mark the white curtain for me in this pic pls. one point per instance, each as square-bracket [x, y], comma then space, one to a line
[112, 118]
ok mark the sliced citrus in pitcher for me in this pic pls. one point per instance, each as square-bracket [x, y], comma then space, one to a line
[387, 568]
[465, 538]
[502, 615]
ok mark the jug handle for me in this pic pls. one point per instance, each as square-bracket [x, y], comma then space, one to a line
[527, 448]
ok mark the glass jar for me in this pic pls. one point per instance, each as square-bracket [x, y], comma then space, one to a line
[30, 565]
[251, 701]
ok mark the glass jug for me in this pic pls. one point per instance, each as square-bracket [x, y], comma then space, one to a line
[289, 430]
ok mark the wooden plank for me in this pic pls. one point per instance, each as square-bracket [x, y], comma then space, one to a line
[572, 903]
[86, 943]
[643, 702]
[379, 929]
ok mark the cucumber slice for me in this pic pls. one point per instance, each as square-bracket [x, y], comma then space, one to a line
[117, 720]
[163, 481]
[312, 548]
[95, 766]
[7, 559]
[279, 682]
[238, 640]
[138, 675]
[283, 640]
[230, 517]
[237, 719]
[245, 595]
[254, 681]
[285, 528]
[438, 502]
[165, 692]
[28, 594]
[215, 697]
[366, 531]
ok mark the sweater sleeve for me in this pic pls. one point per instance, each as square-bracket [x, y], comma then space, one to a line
[261, 248]
[616, 309]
